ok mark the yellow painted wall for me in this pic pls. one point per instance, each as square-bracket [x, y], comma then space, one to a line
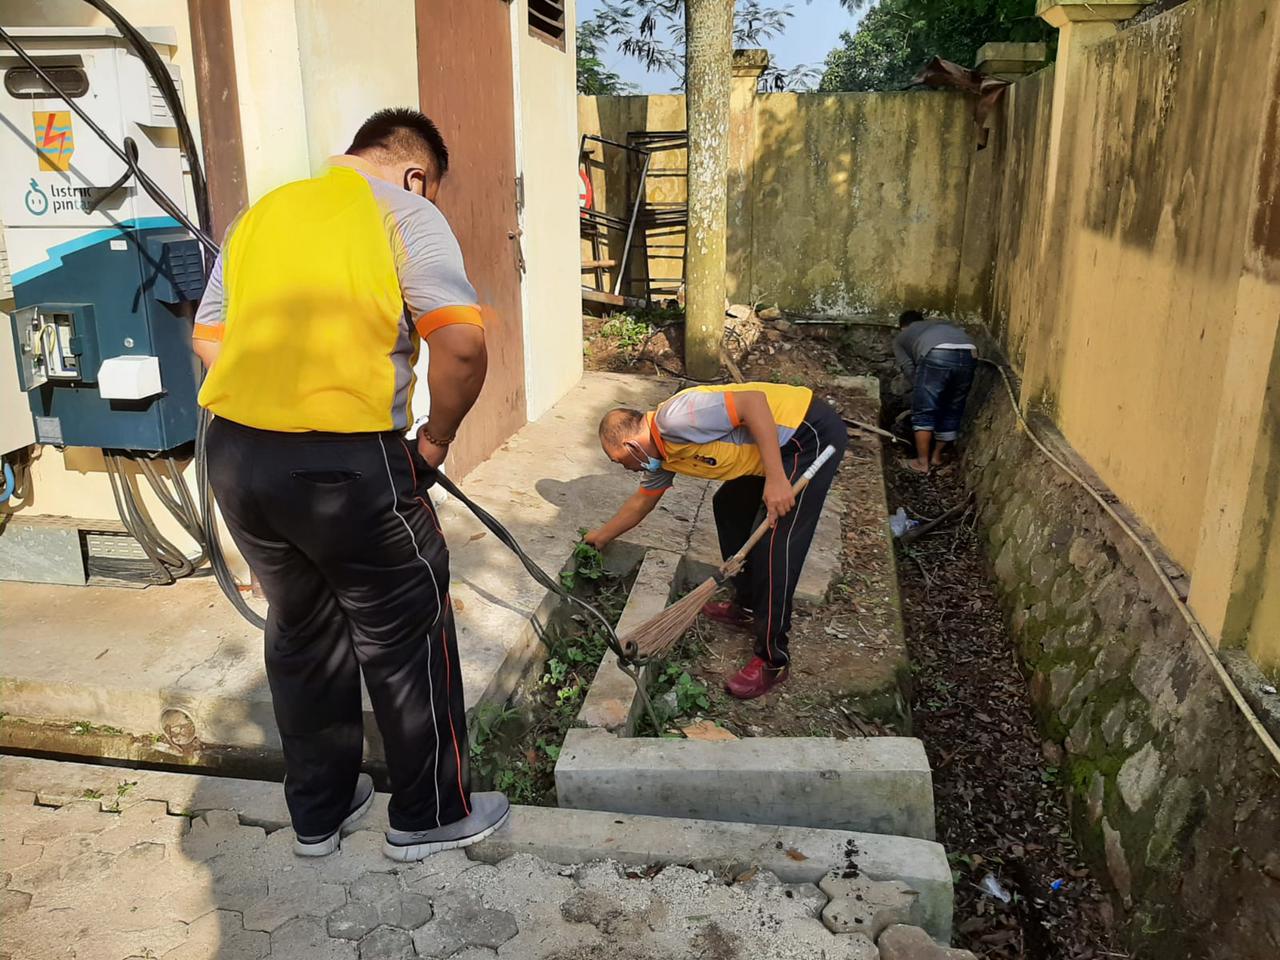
[857, 201]
[860, 199]
[548, 160]
[1138, 290]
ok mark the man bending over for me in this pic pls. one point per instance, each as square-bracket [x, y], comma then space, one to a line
[758, 438]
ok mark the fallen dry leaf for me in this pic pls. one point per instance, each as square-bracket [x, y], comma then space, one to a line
[477, 536]
[746, 875]
[706, 730]
[795, 854]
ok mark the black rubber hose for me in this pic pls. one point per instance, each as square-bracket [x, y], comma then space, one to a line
[627, 654]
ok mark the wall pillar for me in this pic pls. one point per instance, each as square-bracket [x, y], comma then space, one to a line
[1080, 25]
[748, 67]
[1235, 590]
[1009, 61]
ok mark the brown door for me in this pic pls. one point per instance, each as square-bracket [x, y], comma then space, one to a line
[466, 87]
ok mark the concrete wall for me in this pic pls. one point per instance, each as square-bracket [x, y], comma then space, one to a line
[547, 135]
[1137, 283]
[838, 203]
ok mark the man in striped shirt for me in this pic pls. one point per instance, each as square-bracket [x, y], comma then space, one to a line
[758, 438]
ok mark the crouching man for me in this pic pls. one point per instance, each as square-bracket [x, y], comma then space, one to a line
[757, 438]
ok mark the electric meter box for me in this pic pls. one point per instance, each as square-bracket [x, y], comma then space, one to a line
[99, 271]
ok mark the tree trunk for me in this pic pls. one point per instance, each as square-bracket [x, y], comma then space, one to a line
[708, 69]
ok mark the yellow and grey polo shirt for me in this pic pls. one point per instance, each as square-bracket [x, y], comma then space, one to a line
[320, 296]
[699, 433]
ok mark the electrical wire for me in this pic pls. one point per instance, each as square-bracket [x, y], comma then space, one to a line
[1197, 631]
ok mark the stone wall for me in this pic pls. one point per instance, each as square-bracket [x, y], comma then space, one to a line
[1172, 795]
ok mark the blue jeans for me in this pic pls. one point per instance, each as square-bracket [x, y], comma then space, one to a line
[943, 379]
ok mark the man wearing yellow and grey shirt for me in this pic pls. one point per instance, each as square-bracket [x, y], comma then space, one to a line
[310, 328]
[757, 438]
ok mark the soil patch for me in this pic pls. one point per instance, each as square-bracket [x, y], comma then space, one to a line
[1000, 807]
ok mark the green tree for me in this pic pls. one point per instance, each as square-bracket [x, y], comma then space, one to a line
[594, 78]
[897, 37]
[653, 32]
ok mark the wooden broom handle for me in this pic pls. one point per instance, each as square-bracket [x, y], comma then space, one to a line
[734, 563]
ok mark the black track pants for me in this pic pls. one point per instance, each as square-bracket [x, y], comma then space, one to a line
[768, 581]
[345, 542]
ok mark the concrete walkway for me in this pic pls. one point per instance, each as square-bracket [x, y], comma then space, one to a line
[117, 864]
[178, 670]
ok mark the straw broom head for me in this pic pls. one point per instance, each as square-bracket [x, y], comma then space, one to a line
[660, 633]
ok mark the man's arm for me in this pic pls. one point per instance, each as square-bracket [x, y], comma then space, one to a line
[210, 319]
[753, 411]
[456, 370]
[638, 506]
[903, 354]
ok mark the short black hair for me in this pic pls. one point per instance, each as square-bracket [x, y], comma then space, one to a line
[401, 133]
[909, 317]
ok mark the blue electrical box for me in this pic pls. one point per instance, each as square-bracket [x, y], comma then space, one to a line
[116, 293]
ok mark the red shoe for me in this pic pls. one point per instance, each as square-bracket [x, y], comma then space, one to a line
[755, 680]
[729, 613]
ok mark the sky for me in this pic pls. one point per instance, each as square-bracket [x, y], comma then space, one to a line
[810, 36]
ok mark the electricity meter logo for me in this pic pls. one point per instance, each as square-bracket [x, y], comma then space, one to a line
[36, 199]
[55, 140]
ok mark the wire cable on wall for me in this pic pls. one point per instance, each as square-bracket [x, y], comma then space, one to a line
[1197, 631]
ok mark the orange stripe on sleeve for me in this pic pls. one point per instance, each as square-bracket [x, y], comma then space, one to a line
[731, 407]
[653, 493]
[207, 331]
[429, 323]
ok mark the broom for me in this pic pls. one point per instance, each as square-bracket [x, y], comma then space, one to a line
[659, 633]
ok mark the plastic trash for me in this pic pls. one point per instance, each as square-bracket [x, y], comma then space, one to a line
[900, 523]
[1269, 688]
[993, 888]
[1057, 885]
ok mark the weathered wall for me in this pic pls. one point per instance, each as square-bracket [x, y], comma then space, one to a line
[838, 203]
[1172, 795]
[1137, 285]
[859, 200]
[1141, 252]
[548, 145]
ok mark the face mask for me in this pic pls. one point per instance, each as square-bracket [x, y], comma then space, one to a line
[652, 464]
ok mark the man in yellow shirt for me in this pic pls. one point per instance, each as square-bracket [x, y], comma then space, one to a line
[758, 438]
[310, 328]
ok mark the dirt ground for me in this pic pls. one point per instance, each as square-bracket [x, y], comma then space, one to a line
[1000, 809]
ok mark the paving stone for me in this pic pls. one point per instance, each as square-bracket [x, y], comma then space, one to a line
[12, 903]
[387, 943]
[299, 893]
[375, 887]
[461, 921]
[220, 935]
[219, 832]
[145, 822]
[238, 881]
[14, 854]
[353, 921]
[408, 911]
[82, 816]
[305, 939]
[361, 853]
[912, 943]
[437, 871]
[476, 953]
[860, 905]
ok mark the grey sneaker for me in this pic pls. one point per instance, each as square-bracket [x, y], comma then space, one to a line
[361, 801]
[489, 811]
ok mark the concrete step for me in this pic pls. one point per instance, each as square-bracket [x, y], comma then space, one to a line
[876, 785]
[794, 854]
